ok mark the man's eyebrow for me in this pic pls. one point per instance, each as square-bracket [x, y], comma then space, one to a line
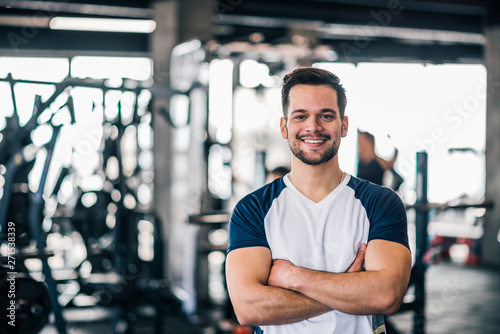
[298, 111]
[328, 110]
[324, 110]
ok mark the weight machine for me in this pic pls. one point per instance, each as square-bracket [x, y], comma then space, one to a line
[123, 266]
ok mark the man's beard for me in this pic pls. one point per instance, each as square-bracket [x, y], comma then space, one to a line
[329, 153]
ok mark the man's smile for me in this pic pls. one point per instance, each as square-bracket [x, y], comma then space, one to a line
[314, 141]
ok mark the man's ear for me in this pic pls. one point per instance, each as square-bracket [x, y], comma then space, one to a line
[344, 127]
[284, 132]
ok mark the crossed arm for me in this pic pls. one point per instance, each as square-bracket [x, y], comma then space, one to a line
[264, 292]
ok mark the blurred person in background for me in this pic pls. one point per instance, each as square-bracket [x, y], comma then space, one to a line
[373, 168]
[276, 173]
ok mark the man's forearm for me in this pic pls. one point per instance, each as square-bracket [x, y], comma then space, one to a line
[353, 293]
[267, 305]
[257, 303]
[378, 290]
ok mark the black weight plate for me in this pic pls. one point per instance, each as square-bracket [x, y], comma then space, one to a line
[24, 305]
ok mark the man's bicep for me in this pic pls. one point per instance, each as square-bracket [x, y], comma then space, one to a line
[246, 267]
[383, 254]
[391, 257]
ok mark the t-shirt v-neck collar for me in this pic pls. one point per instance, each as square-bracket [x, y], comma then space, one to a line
[309, 201]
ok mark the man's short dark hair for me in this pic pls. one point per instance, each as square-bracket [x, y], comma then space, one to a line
[315, 77]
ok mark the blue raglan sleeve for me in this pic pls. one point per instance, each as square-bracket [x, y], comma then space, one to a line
[388, 218]
[246, 227]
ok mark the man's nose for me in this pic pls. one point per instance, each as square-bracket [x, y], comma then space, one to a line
[314, 124]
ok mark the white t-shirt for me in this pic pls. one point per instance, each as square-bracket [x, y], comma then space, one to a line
[321, 236]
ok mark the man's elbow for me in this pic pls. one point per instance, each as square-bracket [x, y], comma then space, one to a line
[392, 294]
[389, 303]
[392, 308]
[246, 321]
[246, 317]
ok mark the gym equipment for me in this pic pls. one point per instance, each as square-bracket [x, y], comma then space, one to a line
[423, 209]
[18, 157]
[26, 300]
[207, 224]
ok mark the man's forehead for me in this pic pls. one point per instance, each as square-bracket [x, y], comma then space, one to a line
[316, 90]
[310, 94]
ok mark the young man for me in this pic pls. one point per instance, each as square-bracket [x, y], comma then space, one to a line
[293, 241]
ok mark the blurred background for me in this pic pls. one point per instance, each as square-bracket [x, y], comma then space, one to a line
[130, 129]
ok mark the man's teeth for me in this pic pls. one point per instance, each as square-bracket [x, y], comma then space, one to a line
[313, 141]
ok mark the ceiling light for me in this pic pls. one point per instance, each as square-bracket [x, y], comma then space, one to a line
[100, 24]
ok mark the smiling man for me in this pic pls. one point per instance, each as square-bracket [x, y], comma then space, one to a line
[297, 245]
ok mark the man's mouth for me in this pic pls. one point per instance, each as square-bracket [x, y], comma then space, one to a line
[317, 139]
[314, 141]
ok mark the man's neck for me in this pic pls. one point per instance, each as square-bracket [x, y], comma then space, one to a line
[315, 182]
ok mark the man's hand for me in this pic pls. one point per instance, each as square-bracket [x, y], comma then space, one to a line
[282, 272]
[357, 265]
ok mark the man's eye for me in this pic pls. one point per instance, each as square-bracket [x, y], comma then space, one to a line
[300, 117]
[327, 116]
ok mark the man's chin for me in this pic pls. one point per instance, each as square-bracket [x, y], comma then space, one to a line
[313, 161]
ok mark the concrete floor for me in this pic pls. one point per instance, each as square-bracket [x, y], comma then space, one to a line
[460, 299]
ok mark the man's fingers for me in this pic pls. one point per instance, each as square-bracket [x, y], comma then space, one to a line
[357, 265]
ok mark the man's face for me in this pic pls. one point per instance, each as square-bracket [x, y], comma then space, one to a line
[314, 127]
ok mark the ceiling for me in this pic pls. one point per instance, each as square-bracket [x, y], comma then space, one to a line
[433, 31]
[24, 28]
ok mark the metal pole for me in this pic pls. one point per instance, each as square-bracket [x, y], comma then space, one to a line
[35, 223]
[422, 220]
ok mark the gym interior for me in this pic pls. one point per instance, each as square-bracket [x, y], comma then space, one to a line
[130, 129]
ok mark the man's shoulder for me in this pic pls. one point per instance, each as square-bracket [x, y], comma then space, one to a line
[264, 196]
[246, 228]
[367, 191]
[358, 184]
